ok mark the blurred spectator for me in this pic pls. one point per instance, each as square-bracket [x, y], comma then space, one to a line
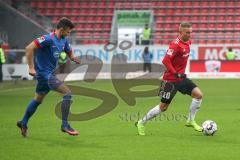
[147, 59]
[230, 55]
[11, 57]
[2, 60]
[137, 38]
[146, 35]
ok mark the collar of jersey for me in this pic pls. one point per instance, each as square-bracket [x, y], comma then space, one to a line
[54, 34]
[183, 41]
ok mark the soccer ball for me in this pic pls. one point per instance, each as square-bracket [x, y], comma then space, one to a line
[209, 127]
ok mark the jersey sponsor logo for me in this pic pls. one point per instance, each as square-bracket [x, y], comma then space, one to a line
[170, 52]
[56, 54]
[41, 39]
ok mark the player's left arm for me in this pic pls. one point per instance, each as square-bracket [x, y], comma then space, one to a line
[70, 54]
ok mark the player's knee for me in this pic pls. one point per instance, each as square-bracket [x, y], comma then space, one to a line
[199, 96]
[67, 96]
[163, 107]
[38, 100]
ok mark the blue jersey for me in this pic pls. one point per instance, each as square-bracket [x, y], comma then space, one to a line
[47, 55]
[147, 57]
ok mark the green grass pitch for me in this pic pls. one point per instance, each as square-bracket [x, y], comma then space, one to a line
[114, 136]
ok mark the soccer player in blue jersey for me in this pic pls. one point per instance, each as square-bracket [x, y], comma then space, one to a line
[42, 56]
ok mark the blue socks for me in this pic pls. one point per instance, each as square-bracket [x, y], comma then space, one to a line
[65, 107]
[32, 107]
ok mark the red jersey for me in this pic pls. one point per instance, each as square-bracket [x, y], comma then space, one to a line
[175, 59]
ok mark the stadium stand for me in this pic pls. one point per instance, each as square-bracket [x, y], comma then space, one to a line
[213, 21]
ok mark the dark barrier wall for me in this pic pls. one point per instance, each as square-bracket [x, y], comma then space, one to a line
[20, 30]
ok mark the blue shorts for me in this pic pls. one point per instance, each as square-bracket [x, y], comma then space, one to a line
[45, 85]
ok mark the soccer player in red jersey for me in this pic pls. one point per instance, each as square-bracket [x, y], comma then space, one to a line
[174, 79]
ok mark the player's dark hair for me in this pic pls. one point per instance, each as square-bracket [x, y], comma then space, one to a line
[65, 23]
[185, 25]
[146, 50]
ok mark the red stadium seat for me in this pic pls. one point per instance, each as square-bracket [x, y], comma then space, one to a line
[202, 25]
[194, 25]
[177, 19]
[76, 4]
[68, 5]
[185, 18]
[220, 18]
[83, 12]
[99, 19]
[85, 5]
[41, 5]
[81, 19]
[230, 3]
[168, 19]
[237, 18]
[110, 5]
[74, 19]
[59, 4]
[194, 18]
[49, 12]
[187, 3]
[195, 11]
[50, 4]
[85, 41]
[179, 3]
[230, 11]
[109, 12]
[95, 17]
[159, 12]
[229, 18]
[170, 3]
[204, 11]
[204, 4]
[108, 18]
[237, 26]
[203, 18]
[157, 41]
[101, 5]
[211, 25]
[212, 4]
[221, 3]
[220, 25]
[66, 12]
[33, 4]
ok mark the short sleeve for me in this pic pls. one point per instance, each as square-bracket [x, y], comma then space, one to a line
[172, 50]
[42, 41]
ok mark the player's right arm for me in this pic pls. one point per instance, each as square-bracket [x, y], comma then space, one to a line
[168, 58]
[29, 54]
[40, 42]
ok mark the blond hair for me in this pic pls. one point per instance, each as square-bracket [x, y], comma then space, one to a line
[185, 25]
